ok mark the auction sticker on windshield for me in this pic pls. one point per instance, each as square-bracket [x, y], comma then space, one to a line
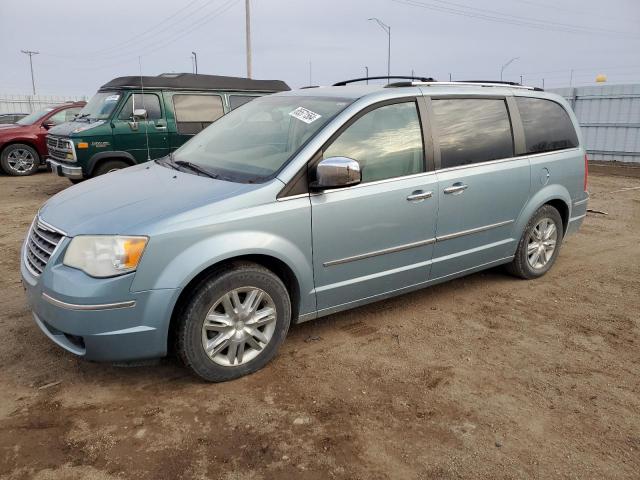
[307, 116]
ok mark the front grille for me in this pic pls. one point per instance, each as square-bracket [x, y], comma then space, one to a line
[41, 243]
[59, 148]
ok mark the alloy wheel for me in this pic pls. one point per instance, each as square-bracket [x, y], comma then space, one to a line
[542, 243]
[239, 326]
[20, 160]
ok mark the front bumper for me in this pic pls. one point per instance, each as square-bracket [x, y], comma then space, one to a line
[63, 170]
[98, 319]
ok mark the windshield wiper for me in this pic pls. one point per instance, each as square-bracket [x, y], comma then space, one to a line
[195, 168]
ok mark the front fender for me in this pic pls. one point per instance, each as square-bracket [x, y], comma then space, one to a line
[542, 196]
[155, 272]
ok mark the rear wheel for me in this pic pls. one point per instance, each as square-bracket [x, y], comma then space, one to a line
[539, 245]
[109, 166]
[19, 160]
[234, 322]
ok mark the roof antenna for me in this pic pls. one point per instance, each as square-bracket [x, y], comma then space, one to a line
[146, 123]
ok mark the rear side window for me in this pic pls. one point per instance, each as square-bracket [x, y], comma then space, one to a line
[136, 101]
[472, 130]
[236, 101]
[547, 125]
[196, 112]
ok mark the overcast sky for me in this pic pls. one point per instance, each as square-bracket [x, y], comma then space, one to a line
[84, 43]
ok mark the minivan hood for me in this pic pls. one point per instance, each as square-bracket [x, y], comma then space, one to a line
[129, 201]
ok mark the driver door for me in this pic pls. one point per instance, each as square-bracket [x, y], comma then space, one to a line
[133, 135]
[376, 237]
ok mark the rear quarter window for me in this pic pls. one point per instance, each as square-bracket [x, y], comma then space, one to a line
[547, 125]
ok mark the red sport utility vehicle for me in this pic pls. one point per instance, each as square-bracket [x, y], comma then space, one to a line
[22, 144]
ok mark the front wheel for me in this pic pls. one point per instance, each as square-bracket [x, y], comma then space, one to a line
[109, 166]
[539, 245]
[19, 160]
[234, 322]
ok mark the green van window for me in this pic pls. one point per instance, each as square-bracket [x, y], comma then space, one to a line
[196, 112]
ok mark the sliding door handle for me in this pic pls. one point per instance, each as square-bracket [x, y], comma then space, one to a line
[456, 188]
[419, 196]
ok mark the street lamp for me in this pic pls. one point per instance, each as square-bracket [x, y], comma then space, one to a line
[387, 29]
[195, 60]
[366, 71]
[506, 65]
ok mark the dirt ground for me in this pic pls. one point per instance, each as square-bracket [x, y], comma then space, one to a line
[483, 377]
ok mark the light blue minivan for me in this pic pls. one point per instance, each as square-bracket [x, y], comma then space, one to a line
[298, 205]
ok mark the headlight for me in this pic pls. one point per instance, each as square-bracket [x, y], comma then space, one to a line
[105, 255]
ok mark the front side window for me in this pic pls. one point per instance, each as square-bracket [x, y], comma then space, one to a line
[252, 143]
[148, 101]
[196, 112]
[547, 125]
[472, 130]
[386, 142]
[63, 116]
[34, 117]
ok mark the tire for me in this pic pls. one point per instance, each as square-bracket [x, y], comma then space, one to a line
[109, 166]
[75, 181]
[545, 231]
[19, 160]
[228, 348]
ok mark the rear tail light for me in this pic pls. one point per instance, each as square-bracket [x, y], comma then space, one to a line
[586, 171]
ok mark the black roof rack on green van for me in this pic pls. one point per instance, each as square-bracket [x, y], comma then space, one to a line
[191, 81]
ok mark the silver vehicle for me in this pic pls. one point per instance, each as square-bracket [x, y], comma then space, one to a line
[299, 205]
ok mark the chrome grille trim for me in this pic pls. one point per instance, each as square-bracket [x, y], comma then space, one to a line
[59, 148]
[42, 242]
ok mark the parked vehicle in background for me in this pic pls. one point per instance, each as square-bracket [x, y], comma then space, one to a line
[299, 205]
[23, 144]
[6, 118]
[135, 119]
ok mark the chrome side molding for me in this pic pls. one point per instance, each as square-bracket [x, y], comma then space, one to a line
[73, 306]
[384, 251]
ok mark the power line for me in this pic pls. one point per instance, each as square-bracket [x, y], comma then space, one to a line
[132, 55]
[147, 38]
[497, 17]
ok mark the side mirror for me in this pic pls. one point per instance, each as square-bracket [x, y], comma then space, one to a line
[139, 113]
[48, 124]
[336, 172]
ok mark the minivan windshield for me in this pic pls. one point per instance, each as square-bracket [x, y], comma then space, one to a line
[34, 117]
[251, 143]
[100, 106]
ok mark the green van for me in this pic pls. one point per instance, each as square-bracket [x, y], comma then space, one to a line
[135, 119]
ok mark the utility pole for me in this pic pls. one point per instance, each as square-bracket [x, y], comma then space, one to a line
[449, 77]
[543, 83]
[193, 65]
[387, 29]
[521, 81]
[195, 60]
[366, 73]
[571, 78]
[247, 11]
[31, 53]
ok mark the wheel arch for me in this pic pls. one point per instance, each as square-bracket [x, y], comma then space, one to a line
[555, 195]
[102, 157]
[273, 264]
[22, 141]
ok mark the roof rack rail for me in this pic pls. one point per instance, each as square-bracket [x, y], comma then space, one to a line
[483, 83]
[384, 77]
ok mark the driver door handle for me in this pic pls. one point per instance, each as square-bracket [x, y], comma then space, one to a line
[456, 188]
